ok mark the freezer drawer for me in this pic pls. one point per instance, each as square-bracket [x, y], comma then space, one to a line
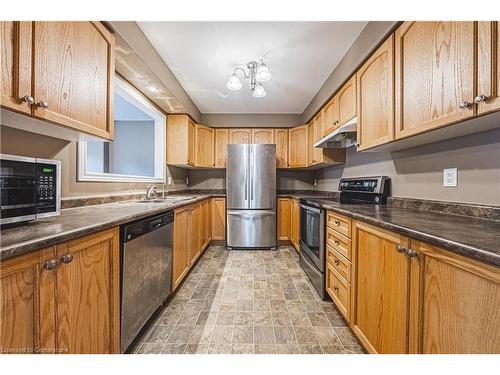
[251, 228]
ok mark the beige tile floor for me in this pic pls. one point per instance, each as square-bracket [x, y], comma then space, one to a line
[245, 302]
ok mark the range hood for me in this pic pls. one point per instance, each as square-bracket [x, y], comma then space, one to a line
[343, 137]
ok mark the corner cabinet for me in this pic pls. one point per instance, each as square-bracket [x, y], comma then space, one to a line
[375, 102]
[63, 299]
[435, 68]
[281, 141]
[43, 76]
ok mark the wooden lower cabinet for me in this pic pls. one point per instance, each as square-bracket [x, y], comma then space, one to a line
[192, 235]
[294, 223]
[218, 218]
[71, 307]
[284, 220]
[412, 297]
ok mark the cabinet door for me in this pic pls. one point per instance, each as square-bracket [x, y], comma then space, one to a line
[194, 234]
[73, 71]
[182, 238]
[208, 221]
[331, 115]
[294, 230]
[240, 136]
[88, 294]
[435, 70]
[458, 300]
[317, 135]
[263, 136]
[488, 68]
[376, 98]
[310, 139]
[191, 142]
[218, 219]
[221, 140]
[281, 140]
[347, 101]
[204, 146]
[381, 305]
[15, 75]
[27, 301]
[284, 220]
[298, 146]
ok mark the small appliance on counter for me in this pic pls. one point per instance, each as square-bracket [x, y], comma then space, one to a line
[358, 190]
[30, 188]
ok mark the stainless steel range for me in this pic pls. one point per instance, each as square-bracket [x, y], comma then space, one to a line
[359, 190]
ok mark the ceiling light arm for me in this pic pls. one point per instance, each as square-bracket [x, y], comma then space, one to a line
[243, 70]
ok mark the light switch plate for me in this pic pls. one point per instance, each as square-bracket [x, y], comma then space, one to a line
[169, 180]
[450, 177]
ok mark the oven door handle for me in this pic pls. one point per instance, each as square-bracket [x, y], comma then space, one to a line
[309, 208]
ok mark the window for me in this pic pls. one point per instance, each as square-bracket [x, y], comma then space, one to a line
[138, 152]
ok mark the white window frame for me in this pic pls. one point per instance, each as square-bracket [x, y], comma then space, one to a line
[130, 93]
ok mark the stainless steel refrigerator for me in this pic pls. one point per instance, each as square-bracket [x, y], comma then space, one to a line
[251, 196]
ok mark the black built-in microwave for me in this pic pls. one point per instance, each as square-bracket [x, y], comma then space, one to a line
[30, 188]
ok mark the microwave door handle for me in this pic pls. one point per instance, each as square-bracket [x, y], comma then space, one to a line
[309, 208]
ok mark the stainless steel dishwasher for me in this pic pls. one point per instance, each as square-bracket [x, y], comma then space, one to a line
[146, 273]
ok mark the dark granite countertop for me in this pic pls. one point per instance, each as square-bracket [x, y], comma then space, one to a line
[77, 222]
[472, 237]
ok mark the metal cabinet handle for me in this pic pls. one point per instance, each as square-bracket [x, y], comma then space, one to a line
[480, 98]
[336, 242]
[335, 288]
[50, 264]
[43, 104]
[465, 104]
[337, 262]
[28, 99]
[400, 249]
[67, 258]
[337, 222]
[411, 253]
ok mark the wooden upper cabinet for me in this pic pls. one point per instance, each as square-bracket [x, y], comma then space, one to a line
[281, 141]
[27, 304]
[218, 218]
[347, 101]
[181, 140]
[221, 141]
[318, 126]
[15, 74]
[73, 74]
[488, 68]
[88, 294]
[310, 139]
[298, 145]
[457, 302]
[240, 136]
[204, 146]
[331, 116]
[191, 142]
[375, 98]
[263, 136]
[435, 67]
[381, 299]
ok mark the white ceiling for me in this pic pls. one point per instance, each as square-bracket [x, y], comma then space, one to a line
[300, 56]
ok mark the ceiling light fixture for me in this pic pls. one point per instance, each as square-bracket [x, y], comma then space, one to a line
[257, 73]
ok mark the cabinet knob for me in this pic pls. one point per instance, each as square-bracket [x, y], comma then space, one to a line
[336, 242]
[67, 258]
[336, 288]
[480, 98]
[411, 253]
[465, 104]
[337, 222]
[400, 249]
[43, 104]
[50, 264]
[337, 262]
[28, 99]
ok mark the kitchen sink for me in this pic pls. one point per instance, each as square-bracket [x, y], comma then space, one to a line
[160, 200]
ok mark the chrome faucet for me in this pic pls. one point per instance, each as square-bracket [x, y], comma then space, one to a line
[151, 192]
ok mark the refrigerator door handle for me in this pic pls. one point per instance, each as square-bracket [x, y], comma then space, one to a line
[250, 170]
[251, 214]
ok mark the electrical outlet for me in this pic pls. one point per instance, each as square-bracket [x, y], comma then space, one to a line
[169, 180]
[187, 180]
[315, 182]
[450, 177]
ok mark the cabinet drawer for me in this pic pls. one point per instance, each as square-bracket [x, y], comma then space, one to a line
[339, 242]
[339, 223]
[339, 263]
[339, 290]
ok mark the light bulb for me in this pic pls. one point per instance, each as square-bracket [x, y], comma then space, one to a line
[234, 83]
[263, 73]
[259, 91]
